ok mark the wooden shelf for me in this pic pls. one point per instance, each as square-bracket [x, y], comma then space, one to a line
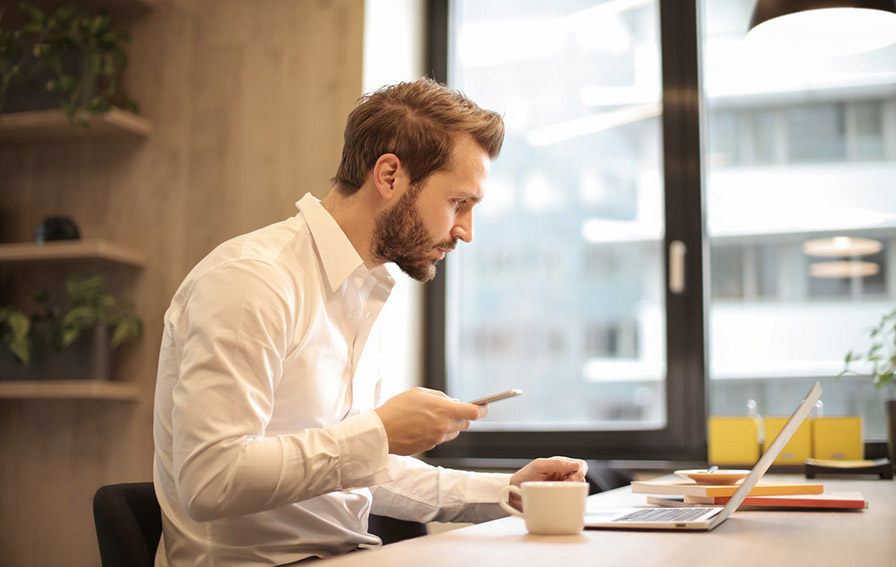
[69, 390]
[89, 249]
[54, 125]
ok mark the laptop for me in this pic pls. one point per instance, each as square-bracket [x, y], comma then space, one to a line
[705, 517]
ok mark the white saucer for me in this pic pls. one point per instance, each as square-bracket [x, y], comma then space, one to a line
[718, 476]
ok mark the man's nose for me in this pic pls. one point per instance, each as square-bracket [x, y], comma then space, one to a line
[463, 228]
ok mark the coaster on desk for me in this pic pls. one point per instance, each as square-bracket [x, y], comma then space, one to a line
[881, 467]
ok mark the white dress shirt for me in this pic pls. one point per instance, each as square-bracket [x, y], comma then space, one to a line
[267, 448]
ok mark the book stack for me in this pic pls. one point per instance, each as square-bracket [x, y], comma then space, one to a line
[765, 495]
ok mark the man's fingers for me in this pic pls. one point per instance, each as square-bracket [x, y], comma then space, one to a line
[562, 468]
[473, 412]
[580, 473]
[463, 410]
[431, 392]
[419, 419]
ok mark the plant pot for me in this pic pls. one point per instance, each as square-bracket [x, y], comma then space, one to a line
[88, 358]
[30, 92]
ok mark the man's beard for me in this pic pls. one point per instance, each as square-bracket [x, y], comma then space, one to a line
[400, 236]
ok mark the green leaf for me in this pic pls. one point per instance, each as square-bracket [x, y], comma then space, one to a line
[65, 84]
[130, 329]
[69, 336]
[884, 378]
[92, 63]
[19, 323]
[32, 12]
[15, 327]
[21, 351]
[97, 25]
[81, 317]
[67, 12]
[881, 353]
[80, 287]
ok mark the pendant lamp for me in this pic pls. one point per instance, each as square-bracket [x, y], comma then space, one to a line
[826, 27]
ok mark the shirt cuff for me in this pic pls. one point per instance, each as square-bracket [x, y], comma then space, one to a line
[364, 449]
[484, 488]
[480, 498]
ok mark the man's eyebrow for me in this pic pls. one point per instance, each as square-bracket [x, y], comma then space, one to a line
[470, 196]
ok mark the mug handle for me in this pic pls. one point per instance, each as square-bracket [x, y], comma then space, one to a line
[503, 501]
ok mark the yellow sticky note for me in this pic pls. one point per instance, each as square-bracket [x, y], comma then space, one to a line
[838, 438]
[798, 449]
[732, 440]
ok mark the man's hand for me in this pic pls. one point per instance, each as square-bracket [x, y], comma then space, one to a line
[419, 419]
[555, 468]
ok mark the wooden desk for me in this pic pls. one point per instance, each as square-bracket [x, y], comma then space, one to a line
[864, 538]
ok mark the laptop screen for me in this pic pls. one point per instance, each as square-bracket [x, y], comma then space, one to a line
[766, 460]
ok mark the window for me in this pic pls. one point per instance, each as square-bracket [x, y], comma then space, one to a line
[564, 292]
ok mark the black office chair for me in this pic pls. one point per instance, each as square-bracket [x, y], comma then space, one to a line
[603, 476]
[391, 530]
[128, 524]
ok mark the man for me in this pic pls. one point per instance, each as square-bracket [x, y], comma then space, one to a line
[271, 447]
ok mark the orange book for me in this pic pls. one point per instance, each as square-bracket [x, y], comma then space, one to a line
[829, 500]
[685, 488]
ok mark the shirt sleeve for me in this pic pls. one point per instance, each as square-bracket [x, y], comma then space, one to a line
[424, 493]
[233, 334]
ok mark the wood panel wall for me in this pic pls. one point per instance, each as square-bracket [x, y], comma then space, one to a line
[248, 100]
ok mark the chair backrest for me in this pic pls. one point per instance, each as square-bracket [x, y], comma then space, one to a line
[128, 524]
[603, 476]
[391, 530]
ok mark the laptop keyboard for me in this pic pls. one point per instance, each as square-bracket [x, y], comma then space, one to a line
[662, 515]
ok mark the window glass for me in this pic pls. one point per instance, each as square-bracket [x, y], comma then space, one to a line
[867, 135]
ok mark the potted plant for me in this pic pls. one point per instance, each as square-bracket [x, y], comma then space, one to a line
[881, 358]
[86, 327]
[71, 58]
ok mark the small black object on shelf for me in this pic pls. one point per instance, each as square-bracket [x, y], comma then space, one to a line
[57, 228]
[877, 467]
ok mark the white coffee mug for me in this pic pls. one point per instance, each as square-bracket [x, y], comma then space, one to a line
[549, 508]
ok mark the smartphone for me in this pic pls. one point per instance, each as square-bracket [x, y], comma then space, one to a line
[496, 397]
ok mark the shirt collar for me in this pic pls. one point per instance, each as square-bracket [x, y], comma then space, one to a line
[337, 254]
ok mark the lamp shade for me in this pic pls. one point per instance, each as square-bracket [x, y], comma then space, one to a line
[828, 27]
[842, 246]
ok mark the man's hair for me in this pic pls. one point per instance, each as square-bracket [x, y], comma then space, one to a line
[416, 121]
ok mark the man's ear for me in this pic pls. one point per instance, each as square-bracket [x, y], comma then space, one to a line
[385, 172]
